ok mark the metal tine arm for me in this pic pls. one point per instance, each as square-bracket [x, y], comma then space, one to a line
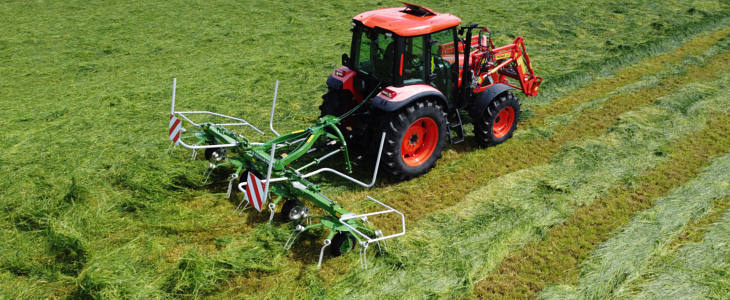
[194, 147]
[273, 108]
[366, 185]
[241, 122]
[343, 220]
[268, 175]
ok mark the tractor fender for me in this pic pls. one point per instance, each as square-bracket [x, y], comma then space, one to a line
[486, 96]
[343, 79]
[405, 95]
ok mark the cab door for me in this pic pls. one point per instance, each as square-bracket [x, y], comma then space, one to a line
[443, 61]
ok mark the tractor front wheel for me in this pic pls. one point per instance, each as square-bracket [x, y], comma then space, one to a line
[495, 121]
[414, 137]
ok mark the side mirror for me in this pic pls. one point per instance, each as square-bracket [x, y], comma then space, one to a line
[345, 59]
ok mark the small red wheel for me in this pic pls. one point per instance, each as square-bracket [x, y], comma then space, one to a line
[503, 122]
[419, 141]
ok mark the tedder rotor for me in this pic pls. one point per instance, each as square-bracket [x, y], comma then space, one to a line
[269, 168]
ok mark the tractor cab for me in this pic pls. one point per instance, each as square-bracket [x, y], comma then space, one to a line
[401, 47]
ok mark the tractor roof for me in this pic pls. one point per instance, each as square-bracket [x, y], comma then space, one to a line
[411, 20]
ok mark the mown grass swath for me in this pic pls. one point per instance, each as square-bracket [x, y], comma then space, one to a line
[91, 204]
[695, 271]
[555, 259]
[625, 256]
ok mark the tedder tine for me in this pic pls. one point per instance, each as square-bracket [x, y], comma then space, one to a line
[272, 205]
[327, 242]
[234, 176]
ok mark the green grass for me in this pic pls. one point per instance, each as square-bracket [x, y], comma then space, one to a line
[625, 256]
[91, 204]
[696, 271]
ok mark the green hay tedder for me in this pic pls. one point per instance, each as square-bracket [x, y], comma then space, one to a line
[275, 167]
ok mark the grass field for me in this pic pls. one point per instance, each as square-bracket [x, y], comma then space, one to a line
[614, 186]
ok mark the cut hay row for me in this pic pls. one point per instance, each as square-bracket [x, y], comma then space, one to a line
[449, 249]
[625, 256]
[641, 71]
[696, 271]
[555, 259]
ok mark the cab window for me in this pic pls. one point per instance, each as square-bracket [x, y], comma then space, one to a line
[414, 67]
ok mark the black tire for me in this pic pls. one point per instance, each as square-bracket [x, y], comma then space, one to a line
[354, 127]
[342, 243]
[336, 102]
[287, 208]
[209, 153]
[395, 126]
[489, 127]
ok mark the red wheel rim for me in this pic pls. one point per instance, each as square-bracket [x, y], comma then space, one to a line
[503, 122]
[419, 141]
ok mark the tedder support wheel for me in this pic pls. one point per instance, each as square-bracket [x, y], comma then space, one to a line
[414, 139]
[495, 121]
[215, 153]
[342, 243]
[292, 210]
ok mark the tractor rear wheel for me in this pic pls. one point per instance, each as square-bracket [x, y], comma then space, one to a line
[353, 128]
[495, 121]
[336, 102]
[414, 138]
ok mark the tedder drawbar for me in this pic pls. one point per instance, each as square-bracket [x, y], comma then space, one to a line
[268, 169]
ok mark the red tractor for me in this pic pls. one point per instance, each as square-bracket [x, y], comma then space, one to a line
[410, 65]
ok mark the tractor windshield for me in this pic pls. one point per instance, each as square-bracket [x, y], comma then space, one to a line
[375, 54]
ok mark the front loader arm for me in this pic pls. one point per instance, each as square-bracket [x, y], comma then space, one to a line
[512, 61]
